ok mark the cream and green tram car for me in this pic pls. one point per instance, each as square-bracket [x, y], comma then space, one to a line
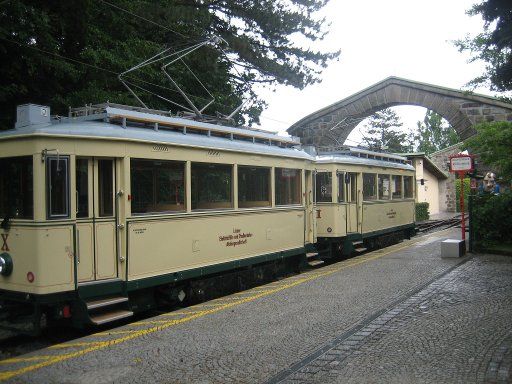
[108, 207]
[363, 199]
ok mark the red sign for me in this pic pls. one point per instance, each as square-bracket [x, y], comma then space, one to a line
[461, 163]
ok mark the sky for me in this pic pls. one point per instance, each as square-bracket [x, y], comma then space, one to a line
[411, 39]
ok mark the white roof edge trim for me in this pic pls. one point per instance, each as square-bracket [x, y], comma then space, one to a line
[351, 160]
[180, 122]
[252, 148]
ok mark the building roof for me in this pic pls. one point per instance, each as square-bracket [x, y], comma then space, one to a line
[427, 164]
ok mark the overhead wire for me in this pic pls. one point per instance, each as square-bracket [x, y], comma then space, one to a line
[106, 70]
[143, 18]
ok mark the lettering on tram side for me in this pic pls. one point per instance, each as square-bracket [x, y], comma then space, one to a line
[5, 247]
[139, 231]
[391, 214]
[238, 237]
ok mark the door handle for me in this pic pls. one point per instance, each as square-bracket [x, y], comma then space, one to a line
[77, 246]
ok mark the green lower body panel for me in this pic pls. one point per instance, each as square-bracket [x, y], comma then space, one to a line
[211, 270]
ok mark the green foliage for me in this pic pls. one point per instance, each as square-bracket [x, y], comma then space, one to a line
[493, 45]
[434, 133]
[491, 219]
[493, 143]
[68, 53]
[382, 132]
[467, 190]
[422, 212]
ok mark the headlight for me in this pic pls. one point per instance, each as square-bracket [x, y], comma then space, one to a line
[5, 264]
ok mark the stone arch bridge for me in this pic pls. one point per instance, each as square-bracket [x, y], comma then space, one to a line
[332, 125]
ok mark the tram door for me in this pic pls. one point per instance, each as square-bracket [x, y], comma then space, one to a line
[352, 202]
[96, 219]
[310, 223]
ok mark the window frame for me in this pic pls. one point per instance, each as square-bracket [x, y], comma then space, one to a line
[329, 173]
[155, 184]
[383, 176]
[30, 162]
[48, 160]
[341, 175]
[299, 174]
[401, 197]
[232, 189]
[375, 186]
[88, 165]
[100, 190]
[269, 189]
[412, 187]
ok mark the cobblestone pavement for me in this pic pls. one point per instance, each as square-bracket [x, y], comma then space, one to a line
[399, 314]
[457, 329]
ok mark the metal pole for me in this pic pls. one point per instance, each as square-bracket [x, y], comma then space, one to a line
[463, 223]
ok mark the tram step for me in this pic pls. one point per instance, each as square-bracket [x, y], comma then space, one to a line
[314, 263]
[107, 317]
[93, 304]
[360, 249]
[359, 242]
[310, 255]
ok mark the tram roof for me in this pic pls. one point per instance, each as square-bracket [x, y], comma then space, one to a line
[119, 124]
[355, 156]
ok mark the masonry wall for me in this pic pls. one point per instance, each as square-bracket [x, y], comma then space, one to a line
[447, 198]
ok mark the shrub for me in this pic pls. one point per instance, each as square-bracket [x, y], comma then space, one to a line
[491, 219]
[467, 189]
[422, 211]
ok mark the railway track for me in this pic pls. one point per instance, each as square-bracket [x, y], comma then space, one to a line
[430, 225]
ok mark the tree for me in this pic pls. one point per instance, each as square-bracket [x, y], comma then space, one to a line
[493, 143]
[68, 53]
[382, 132]
[493, 45]
[434, 133]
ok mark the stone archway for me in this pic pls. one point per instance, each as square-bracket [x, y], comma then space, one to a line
[332, 125]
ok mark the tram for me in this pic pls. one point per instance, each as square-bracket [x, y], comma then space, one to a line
[112, 208]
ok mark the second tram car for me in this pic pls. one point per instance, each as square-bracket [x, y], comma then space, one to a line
[363, 199]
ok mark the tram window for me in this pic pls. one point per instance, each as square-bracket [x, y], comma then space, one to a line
[369, 186]
[106, 187]
[82, 188]
[288, 186]
[57, 181]
[353, 187]
[253, 187]
[323, 191]
[408, 187]
[396, 187]
[341, 187]
[383, 187]
[157, 186]
[16, 188]
[212, 186]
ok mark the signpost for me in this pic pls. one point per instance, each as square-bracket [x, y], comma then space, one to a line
[461, 164]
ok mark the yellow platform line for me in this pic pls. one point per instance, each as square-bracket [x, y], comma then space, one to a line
[97, 346]
[250, 292]
[145, 322]
[108, 333]
[182, 313]
[74, 345]
[24, 359]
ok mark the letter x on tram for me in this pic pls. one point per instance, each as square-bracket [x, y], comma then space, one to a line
[5, 247]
